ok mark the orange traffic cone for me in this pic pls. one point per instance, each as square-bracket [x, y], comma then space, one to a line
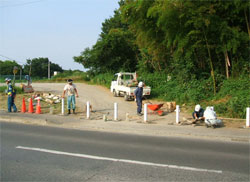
[23, 110]
[38, 107]
[31, 110]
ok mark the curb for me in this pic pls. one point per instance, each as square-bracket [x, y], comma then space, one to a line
[128, 129]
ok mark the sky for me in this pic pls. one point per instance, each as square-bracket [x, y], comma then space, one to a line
[56, 29]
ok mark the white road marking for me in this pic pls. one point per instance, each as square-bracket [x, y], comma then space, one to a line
[119, 160]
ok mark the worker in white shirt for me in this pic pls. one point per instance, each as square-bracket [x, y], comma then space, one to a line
[71, 91]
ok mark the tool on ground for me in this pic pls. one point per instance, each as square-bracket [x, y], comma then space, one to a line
[156, 108]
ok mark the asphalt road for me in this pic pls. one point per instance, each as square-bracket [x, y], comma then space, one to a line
[36, 153]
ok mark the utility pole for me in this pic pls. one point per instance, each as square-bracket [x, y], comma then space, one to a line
[21, 72]
[48, 69]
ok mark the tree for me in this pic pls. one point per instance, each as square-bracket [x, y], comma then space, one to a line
[6, 67]
[38, 67]
[191, 39]
[114, 51]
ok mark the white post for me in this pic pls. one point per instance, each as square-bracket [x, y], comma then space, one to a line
[248, 117]
[62, 106]
[145, 112]
[88, 113]
[177, 110]
[115, 111]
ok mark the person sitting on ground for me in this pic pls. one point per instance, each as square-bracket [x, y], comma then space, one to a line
[71, 91]
[198, 113]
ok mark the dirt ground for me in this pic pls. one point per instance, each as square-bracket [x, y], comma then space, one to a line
[102, 102]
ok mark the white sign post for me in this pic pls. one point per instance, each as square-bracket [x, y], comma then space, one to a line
[248, 117]
[177, 113]
[145, 112]
[62, 106]
[88, 110]
[115, 111]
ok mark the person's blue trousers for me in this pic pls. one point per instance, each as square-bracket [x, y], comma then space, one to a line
[11, 104]
[71, 100]
[139, 105]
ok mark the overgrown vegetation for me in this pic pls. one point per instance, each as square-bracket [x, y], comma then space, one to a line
[203, 46]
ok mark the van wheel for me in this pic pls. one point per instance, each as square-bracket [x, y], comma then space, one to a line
[114, 93]
[126, 97]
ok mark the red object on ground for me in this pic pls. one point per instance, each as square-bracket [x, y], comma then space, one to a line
[31, 110]
[160, 112]
[38, 107]
[155, 107]
[23, 110]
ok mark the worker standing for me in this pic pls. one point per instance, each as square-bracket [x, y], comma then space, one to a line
[11, 92]
[71, 91]
[138, 97]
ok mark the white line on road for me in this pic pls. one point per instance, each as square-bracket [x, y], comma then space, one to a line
[119, 160]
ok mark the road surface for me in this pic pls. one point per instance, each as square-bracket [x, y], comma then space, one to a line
[36, 153]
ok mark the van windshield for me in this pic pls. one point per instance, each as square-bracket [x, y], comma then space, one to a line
[127, 77]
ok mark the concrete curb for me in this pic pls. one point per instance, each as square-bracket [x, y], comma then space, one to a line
[80, 123]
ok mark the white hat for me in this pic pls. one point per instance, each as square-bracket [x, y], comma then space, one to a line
[7, 79]
[197, 107]
[140, 84]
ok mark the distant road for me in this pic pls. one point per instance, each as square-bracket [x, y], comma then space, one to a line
[36, 153]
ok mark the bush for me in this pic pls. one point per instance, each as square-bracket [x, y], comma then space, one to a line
[18, 90]
[103, 79]
[231, 100]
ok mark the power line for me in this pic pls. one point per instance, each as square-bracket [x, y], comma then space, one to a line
[11, 59]
[20, 4]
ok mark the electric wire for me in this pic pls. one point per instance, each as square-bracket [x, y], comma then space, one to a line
[21, 4]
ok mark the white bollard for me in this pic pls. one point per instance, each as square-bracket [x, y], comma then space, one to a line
[177, 110]
[248, 117]
[62, 106]
[145, 112]
[115, 111]
[88, 111]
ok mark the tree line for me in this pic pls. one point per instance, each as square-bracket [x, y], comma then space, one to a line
[37, 67]
[183, 39]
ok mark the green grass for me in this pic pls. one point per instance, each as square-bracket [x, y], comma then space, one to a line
[18, 89]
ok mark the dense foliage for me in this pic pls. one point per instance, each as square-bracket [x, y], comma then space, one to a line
[187, 51]
[6, 67]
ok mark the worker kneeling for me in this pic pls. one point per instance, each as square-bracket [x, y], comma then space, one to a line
[210, 118]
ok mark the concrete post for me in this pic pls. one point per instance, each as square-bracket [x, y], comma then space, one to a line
[248, 117]
[177, 110]
[115, 111]
[62, 106]
[145, 112]
[88, 110]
